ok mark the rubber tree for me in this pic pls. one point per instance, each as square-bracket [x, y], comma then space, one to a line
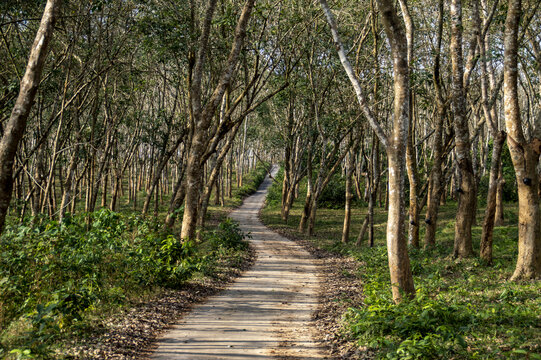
[499, 140]
[394, 142]
[524, 155]
[202, 115]
[436, 185]
[16, 124]
[467, 194]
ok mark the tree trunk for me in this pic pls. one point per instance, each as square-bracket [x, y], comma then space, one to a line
[307, 206]
[436, 187]
[203, 116]
[166, 155]
[399, 265]
[362, 232]
[525, 157]
[466, 192]
[66, 195]
[177, 198]
[499, 218]
[350, 163]
[490, 212]
[413, 176]
[374, 190]
[16, 125]
[214, 173]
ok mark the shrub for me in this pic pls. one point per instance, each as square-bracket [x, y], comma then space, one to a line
[274, 194]
[229, 236]
[422, 328]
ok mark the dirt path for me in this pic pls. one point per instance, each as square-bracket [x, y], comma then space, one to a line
[265, 314]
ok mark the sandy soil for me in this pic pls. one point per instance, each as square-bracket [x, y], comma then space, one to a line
[266, 313]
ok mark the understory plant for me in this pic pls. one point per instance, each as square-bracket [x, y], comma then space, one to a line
[55, 276]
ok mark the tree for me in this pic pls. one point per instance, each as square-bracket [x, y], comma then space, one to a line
[17, 122]
[524, 154]
[395, 142]
[467, 194]
[202, 115]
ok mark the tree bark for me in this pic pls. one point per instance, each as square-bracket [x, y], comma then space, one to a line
[203, 116]
[350, 163]
[399, 264]
[488, 223]
[16, 125]
[466, 192]
[525, 157]
[499, 217]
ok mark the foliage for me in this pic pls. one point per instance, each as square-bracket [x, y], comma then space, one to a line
[54, 276]
[228, 235]
[462, 310]
[333, 195]
[252, 180]
[510, 183]
[274, 193]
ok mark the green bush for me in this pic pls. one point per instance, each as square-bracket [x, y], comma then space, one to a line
[53, 275]
[274, 194]
[334, 194]
[252, 180]
[423, 328]
[229, 236]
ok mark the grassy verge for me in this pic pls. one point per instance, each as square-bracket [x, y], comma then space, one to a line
[59, 280]
[463, 308]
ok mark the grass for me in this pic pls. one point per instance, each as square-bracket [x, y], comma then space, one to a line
[463, 309]
[59, 280]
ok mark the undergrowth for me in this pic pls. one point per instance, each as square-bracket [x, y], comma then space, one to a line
[55, 275]
[59, 279]
[463, 309]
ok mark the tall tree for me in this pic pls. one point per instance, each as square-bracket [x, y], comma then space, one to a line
[395, 142]
[524, 154]
[17, 122]
[202, 115]
[467, 195]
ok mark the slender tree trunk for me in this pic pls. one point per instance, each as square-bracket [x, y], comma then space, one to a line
[413, 176]
[16, 125]
[66, 196]
[166, 155]
[215, 172]
[490, 212]
[203, 116]
[312, 216]
[177, 198]
[525, 157]
[399, 265]
[467, 195]
[350, 163]
[411, 158]
[105, 188]
[374, 189]
[499, 218]
[436, 188]
[397, 251]
[307, 206]
[362, 232]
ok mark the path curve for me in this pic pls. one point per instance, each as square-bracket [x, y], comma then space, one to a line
[265, 314]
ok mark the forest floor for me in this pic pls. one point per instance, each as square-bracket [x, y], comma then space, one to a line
[131, 334]
[464, 309]
[266, 313]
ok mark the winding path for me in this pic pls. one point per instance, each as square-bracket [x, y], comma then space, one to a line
[265, 314]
